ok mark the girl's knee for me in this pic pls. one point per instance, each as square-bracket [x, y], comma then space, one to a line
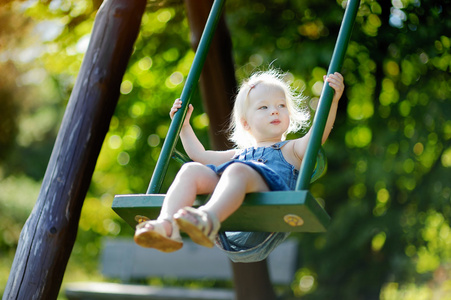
[239, 169]
[192, 170]
[198, 176]
[242, 174]
[190, 167]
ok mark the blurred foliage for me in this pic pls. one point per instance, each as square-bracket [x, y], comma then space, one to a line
[387, 187]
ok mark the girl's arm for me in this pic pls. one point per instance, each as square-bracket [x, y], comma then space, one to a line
[336, 82]
[193, 146]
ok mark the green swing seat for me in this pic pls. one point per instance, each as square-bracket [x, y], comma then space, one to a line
[284, 211]
[276, 211]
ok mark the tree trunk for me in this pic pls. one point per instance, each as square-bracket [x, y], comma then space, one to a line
[218, 88]
[252, 281]
[47, 239]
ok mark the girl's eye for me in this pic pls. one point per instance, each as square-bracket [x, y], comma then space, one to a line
[282, 105]
[263, 107]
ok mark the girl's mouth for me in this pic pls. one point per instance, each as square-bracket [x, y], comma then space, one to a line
[275, 122]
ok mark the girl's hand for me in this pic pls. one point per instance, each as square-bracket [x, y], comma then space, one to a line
[336, 82]
[175, 107]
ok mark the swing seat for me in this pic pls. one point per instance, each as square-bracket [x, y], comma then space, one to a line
[281, 211]
[276, 211]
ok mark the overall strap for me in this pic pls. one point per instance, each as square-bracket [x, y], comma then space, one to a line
[279, 145]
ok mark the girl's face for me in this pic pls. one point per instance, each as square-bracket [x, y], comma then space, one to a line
[267, 117]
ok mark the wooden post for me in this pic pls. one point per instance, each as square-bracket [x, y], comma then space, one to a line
[47, 239]
[218, 88]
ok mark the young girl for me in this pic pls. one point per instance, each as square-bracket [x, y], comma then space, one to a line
[265, 111]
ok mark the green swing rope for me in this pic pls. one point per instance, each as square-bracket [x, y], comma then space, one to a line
[188, 90]
[319, 122]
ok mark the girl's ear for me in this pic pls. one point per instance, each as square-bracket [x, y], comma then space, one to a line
[245, 124]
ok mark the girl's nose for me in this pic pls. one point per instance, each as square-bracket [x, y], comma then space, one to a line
[275, 111]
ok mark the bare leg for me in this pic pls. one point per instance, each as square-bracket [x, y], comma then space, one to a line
[203, 224]
[192, 179]
[237, 180]
[163, 234]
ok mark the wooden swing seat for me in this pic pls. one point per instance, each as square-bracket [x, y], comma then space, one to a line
[281, 211]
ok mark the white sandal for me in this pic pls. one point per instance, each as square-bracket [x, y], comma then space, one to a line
[203, 230]
[152, 234]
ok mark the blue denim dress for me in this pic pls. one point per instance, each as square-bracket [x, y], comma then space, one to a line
[280, 176]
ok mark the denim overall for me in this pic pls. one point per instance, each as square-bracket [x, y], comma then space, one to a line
[279, 176]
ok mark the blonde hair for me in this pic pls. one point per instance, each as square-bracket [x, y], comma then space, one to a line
[272, 78]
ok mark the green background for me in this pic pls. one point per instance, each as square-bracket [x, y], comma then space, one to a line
[387, 187]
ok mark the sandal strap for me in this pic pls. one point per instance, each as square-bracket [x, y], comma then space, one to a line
[213, 220]
[175, 231]
[207, 222]
[166, 217]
